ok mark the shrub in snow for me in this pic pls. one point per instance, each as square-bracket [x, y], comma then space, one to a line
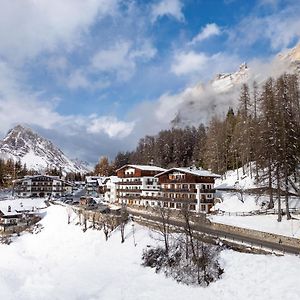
[183, 266]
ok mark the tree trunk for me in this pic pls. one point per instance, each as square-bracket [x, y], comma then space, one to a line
[271, 203]
[287, 209]
[279, 218]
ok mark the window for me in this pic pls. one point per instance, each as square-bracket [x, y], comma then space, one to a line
[192, 207]
[171, 205]
[178, 205]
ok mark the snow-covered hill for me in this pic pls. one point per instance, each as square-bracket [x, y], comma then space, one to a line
[63, 262]
[36, 152]
[198, 103]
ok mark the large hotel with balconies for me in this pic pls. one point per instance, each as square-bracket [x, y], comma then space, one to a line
[136, 181]
[153, 186]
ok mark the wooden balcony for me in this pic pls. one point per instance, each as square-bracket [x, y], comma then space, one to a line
[207, 191]
[130, 183]
[130, 197]
[176, 200]
[130, 190]
[194, 191]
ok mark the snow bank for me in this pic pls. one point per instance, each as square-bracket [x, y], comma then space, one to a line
[267, 223]
[62, 262]
[232, 181]
[231, 202]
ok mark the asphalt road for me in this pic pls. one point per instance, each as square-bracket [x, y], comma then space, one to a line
[224, 234]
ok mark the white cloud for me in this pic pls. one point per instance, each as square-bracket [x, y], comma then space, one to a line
[29, 27]
[206, 32]
[82, 136]
[279, 28]
[168, 8]
[18, 104]
[113, 127]
[122, 58]
[57, 63]
[145, 52]
[114, 59]
[188, 62]
[78, 80]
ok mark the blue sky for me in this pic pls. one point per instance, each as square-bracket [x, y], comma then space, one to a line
[91, 74]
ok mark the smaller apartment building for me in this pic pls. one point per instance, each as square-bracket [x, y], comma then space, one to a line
[40, 186]
[154, 186]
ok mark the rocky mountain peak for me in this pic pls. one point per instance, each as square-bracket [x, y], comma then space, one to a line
[22, 143]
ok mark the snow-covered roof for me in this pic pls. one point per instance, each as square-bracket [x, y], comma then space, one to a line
[144, 168]
[10, 213]
[18, 206]
[114, 179]
[28, 177]
[92, 179]
[193, 171]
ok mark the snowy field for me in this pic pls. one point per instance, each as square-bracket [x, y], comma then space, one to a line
[63, 262]
[232, 204]
[263, 223]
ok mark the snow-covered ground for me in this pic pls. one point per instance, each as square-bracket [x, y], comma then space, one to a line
[243, 180]
[63, 262]
[234, 179]
[266, 223]
[235, 202]
[231, 204]
[22, 204]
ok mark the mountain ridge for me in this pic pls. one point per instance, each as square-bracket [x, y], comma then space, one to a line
[200, 102]
[38, 153]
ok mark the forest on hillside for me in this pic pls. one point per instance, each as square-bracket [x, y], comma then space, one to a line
[263, 131]
[264, 128]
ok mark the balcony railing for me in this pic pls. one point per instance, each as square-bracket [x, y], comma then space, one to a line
[207, 201]
[207, 191]
[129, 190]
[130, 183]
[176, 200]
[194, 191]
[130, 197]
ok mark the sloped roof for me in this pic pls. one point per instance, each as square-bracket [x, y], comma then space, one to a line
[144, 168]
[193, 171]
[27, 177]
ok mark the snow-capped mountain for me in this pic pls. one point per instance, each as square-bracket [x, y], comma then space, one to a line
[198, 103]
[38, 153]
